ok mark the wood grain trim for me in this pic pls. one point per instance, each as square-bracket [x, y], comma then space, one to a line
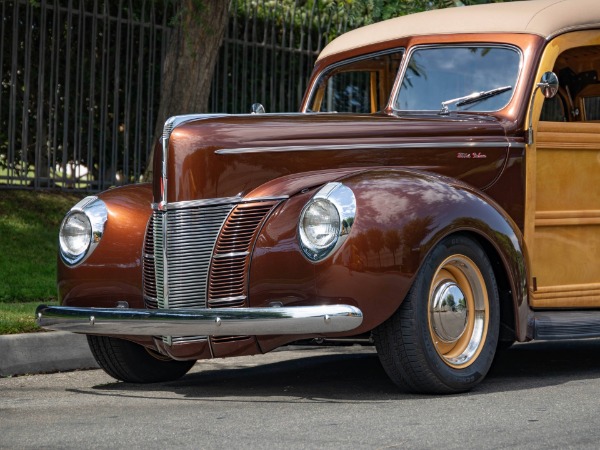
[568, 135]
[571, 296]
[558, 218]
[568, 288]
[568, 127]
[553, 143]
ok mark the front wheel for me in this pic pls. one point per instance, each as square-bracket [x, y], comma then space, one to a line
[133, 363]
[443, 337]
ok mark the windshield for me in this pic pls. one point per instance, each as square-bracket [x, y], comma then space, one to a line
[437, 79]
[362, 85]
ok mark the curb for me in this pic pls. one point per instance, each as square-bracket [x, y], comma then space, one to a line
[44, 352]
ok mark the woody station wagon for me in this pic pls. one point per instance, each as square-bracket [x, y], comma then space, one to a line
[437, 194]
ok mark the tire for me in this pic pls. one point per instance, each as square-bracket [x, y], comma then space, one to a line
[433, 343]
[133, 363]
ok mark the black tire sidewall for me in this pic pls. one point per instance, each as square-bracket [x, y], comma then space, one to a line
[463, 378]
[130, 362]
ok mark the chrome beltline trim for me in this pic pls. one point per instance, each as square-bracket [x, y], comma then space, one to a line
[390, 146]
[208, 322]
[217, 201]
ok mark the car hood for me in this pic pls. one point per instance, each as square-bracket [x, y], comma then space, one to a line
[214, 156]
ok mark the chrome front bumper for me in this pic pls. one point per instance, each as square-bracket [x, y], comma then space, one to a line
[207, 322]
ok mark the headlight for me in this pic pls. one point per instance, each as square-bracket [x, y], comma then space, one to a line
[326, 220]
[320, 224]
[81, 230]
[75, 234]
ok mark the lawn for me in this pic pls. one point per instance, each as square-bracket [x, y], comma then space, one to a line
[29, 222]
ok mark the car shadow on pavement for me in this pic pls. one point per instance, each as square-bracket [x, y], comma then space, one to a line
[357, 376]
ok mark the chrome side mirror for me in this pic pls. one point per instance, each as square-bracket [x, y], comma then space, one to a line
[549, 86]
[257, 108]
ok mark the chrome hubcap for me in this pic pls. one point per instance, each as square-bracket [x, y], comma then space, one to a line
[449, 312]
[458, 311]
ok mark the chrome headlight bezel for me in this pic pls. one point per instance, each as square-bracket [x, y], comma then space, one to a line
[90, 209]
[337, 197]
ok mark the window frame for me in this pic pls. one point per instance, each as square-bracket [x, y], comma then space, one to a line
[412, 50]
[314, 88]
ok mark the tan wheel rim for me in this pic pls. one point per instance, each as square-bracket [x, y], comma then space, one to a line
[458, 311]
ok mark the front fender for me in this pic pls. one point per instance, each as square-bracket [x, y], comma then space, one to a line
[113, 272]
[401, 215]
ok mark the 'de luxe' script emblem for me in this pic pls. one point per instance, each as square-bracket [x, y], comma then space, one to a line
[474, 155]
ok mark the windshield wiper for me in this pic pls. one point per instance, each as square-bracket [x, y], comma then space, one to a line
[473, 98]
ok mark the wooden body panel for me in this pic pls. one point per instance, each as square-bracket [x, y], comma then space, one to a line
[566, 261]
[562, 213]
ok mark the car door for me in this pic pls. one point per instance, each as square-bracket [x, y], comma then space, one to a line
[563, 179]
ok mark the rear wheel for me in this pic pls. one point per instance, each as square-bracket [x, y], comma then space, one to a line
[443, 337]
[133, 363]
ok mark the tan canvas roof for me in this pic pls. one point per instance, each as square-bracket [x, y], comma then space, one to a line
[542, 17]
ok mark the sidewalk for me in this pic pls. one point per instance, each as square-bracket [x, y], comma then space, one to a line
[44, 352]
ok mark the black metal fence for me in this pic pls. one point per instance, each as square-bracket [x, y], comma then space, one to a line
[268, 54]
[80, 81]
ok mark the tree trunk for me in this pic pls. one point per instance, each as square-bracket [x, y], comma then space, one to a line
[189, 63]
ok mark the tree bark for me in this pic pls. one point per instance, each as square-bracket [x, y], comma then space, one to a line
[189, 63]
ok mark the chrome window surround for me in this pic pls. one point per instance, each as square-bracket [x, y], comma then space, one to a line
[96, 212]
[404, 66]
[334, 66]
[343, 199]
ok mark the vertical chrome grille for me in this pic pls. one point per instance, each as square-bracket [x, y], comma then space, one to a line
[190, 239]
[198, 257]
[187, 250]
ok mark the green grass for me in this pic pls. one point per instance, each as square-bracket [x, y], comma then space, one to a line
[19, 317]
[29, 224]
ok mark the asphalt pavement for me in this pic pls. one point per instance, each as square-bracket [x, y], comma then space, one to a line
[538, 395]
[44, 352]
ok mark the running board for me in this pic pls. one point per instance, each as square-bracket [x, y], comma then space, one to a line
[554, 325]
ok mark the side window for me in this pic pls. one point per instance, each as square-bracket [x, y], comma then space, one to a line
[579, 92]
[554, 109]
[359, 86]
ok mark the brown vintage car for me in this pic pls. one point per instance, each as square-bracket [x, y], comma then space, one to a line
[437, 194]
